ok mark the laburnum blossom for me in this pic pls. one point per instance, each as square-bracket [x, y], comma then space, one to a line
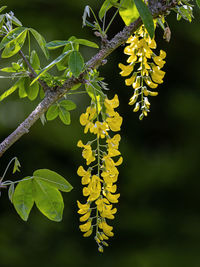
[143, 69]
[99, 179]
[87, 152]
[87, 118]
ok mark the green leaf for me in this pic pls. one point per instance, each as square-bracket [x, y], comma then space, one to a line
[11, 191]
[17, 165]
[14, 46]
[185, 12]
[23, 198]
[64, 116]
[15, 66]
[32, 91]
[8, 69]
[9, 91]
[86, 43]
[48, 200]
[56, 44]
[76, 63]
[41, 41]
[61, 65]
[96, 94]
[2, 19]
[34, 60]
[12, 35]
[22, 90]
[52, 112]
[146, 16]
[198, 3]
[128, 11]
[16, 21]
[54, 179]
[48, 67]
[2, 8]
[67, 104]
[75, 87]
[42, 93]
[104, 8]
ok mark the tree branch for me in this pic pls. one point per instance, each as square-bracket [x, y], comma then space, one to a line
[52, 96]
[33, 73]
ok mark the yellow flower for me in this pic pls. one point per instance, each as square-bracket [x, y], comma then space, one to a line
[85, 217]
[94, 188]
[140, 51]
[137, 107]
[83, 208]
[107, 212]
[115, 122]
[86, 191]
[85, 118]
[114, 141]
[99, 188]
[158, 60]
[131, 80]
[86, 226]
[110, 187]
[113, 198]
[126, 70]
[137, 83]
[162, 54]
[149, 82]
[107, 229]
[85, 175]
[132, 58]
[133, 99]
[87, 152]
[112, 103]
[88, 233]
[110, 176]
[100, 129]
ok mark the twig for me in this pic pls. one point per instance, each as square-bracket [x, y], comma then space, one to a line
[94, 62]
[33, 73]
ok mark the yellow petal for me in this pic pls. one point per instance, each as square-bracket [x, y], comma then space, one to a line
[162, 54]
[131, 80]
[85, 217]
[83, 119]
[126, 70]
[137, 107]
[86, 226]
[119, 162]
[132, 58]
[86, 191]
[81, 171]
[86, 178]
[115, 122]
[107, 229]
[153, 93]
[80, 144]
[133, 99]
[88, 233]
[150, 83]
[113, 198]
[136, 84]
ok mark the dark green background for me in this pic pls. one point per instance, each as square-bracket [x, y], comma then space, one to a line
[158, 219]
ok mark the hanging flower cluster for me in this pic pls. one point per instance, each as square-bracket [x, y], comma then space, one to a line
[147, 72]
[99, 179]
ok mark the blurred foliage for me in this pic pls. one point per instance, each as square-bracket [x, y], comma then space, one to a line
[159, 216]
